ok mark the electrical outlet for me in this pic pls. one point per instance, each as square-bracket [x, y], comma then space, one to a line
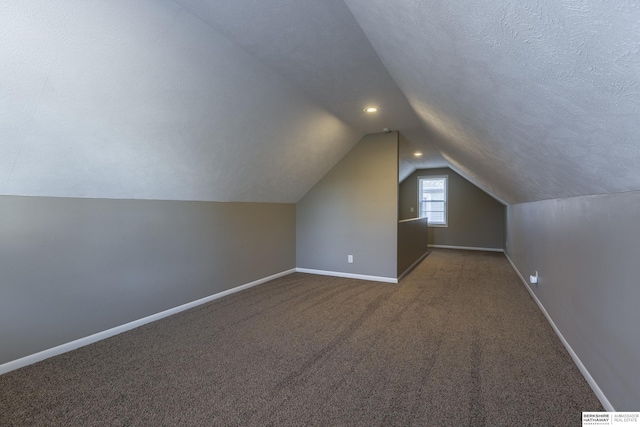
[350, 259]
[411, 208]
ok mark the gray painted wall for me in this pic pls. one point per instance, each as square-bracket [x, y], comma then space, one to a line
[353, 210]
[74, 267]
[412, 242]
[586, 251]
[475, 219]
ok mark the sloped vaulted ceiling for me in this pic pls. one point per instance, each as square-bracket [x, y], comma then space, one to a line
[255, 100]
[191, 100]
[119, 99]
[531, 99]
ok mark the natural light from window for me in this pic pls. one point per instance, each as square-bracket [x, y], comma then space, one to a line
[432, 199]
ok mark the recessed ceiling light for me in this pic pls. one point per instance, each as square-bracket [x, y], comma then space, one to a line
[371, 109]
[417, 154]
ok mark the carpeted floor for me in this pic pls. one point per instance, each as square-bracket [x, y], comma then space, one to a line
[459, 342]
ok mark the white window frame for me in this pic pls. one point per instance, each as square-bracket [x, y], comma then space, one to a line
[446, 199]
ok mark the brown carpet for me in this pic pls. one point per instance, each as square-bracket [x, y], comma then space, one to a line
[459, 342]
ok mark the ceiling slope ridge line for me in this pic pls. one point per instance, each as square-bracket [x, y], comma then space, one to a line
[394, 79]
[477, 184]
[422, 124]
[395, 82]
[293, 85]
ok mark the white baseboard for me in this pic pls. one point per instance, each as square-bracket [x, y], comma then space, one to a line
[412, 266]
[587, 376]
[348, 275]
[63, 348]
[466, 248]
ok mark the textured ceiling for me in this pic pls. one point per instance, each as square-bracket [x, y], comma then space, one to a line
[529, 99]
[319, 47]
[142, 100]
[255, 100]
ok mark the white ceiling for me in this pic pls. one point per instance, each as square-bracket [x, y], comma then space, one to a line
[530, 99]
[142, 100]
[255, 100]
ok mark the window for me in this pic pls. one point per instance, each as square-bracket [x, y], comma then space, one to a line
[432, 199]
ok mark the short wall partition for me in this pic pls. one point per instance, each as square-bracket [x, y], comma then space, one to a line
[412, 243]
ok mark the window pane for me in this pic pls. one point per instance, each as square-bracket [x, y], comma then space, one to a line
[436, 217]
[435, 206]
[429, 184]
[433, 197]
